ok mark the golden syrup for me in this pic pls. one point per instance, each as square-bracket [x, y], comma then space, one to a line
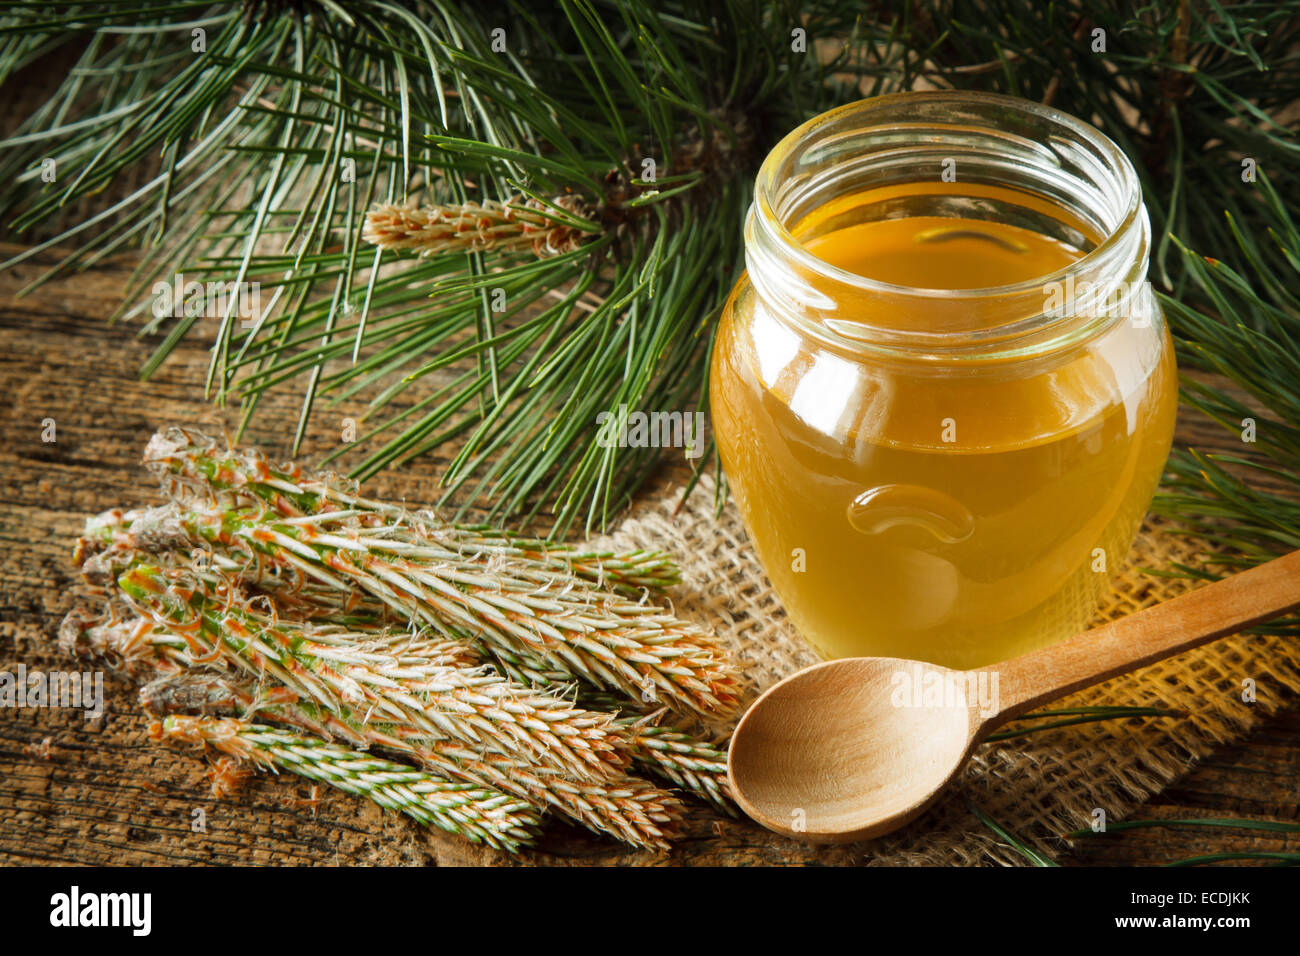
[955, 515]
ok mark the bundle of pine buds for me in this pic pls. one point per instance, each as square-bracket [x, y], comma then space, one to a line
[469, 677]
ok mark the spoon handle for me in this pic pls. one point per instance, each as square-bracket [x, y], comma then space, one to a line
[1217, 610]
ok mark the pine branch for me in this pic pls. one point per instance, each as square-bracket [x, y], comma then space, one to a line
[685, 761]
[143, 649]
[562, 623]
[476, 707]
[339, 672]
[276, 137]
[693, 761]
[190, 465]
[478, 814]
[1247, 506]
[624, 807]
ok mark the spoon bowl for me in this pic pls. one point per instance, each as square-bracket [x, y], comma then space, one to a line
[851, 749]
[822, 761]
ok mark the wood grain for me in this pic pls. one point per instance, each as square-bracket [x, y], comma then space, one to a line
[103, 795]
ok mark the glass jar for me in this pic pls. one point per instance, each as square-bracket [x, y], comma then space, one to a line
[942, 443]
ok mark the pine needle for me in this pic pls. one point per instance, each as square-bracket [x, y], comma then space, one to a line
[477, 814]
[1011, 840]
[624, 807]
[190, 465]
[477, 707]
[562, 622]
[1072, 716]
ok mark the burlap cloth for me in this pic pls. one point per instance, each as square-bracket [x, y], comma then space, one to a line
[1042, 785]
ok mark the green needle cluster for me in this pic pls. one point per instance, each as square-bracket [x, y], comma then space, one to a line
[478, 814]
[279, 596]
[528, 609]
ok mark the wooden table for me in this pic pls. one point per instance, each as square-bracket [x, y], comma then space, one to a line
[97, 792]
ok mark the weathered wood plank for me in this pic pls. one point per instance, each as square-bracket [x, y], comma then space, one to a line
[105, 795]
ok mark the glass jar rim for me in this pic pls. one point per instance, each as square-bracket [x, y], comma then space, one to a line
[1119, 165]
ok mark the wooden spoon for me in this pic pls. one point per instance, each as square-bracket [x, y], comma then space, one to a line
[852, 749]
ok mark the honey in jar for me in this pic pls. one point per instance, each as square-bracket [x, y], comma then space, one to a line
[943, 393]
